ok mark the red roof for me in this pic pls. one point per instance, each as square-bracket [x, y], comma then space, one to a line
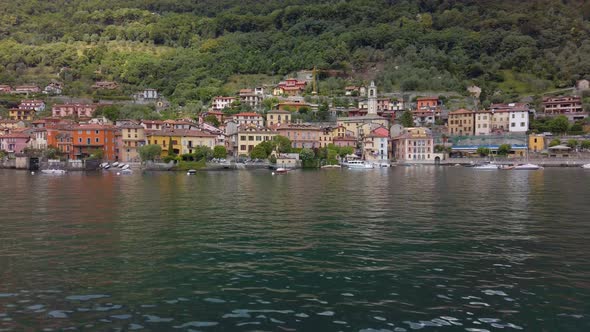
[15, 135]
[461, 111]
[248, 114]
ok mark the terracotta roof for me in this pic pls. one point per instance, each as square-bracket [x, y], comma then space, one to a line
[248, 114]
[461, 111]
[180, 133]
[15, 135]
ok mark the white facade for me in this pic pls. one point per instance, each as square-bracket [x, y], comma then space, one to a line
[220, 103]
[519, 121]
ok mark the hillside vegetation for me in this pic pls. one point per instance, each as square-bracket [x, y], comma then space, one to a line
[193, 50]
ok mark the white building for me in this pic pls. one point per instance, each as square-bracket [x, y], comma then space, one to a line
[221, 102]
[519, 121]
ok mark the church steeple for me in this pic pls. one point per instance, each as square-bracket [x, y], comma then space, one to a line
[372, 101]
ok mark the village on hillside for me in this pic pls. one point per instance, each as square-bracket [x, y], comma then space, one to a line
[374, 128]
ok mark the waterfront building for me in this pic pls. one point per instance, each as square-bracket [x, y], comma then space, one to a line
[132, 138]
[39, 139]
[301, 135]
[415, 145]
[376, 146]
[86, 139]
[14, 142]
[461, 122]
[247, 137]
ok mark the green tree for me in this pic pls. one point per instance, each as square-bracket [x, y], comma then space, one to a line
[344, 151]
[559, 124]
[202, 152]
[483, 151]
[585, 145]
[306, 154]
[504, 149]
[323, 113]
[97, 154]
[258, 152]
[282, 143]
[219, 152]
[554, 142]
[572, 143]
[170, 148]
[407, 120]
[149, 152]
[212, 120]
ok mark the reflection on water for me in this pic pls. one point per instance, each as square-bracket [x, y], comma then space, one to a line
[434, 248]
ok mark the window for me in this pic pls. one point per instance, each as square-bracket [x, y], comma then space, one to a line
[87, 132]
[250, 137]
[513, 116]
[522, 115]
[259, 138]
[243, 138]
[522, 124]
[242, 147]
[88, 141]
[96, 132]
[80, 140]
[96, 140]
[513, 124]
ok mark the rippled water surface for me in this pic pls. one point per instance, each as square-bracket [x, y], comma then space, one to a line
[437, 249]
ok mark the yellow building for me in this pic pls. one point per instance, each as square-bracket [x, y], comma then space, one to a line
[132, 138]
[193, 138]
[536, 142]
[181, 141]
[21, 114]
[461, 122]
[248, 137]
[328, 134]
[360, 126]
[277, 117]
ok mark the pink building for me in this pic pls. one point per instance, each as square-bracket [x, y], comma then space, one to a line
[74, 110]
[14, 143]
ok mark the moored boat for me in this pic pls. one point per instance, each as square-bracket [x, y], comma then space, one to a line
[586, 166]
[54, 171]
[527, 167]
[191, 172]
[281, 170]
[358, 164]
[486, 167]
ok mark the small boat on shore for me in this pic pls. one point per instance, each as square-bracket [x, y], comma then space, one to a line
[115, 164]
[527, 167]
[586, 166]
[54, 171]
[125, 167]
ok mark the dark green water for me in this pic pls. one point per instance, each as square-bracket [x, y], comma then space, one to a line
[437, 249]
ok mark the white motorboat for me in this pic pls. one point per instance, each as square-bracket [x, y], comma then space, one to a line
[54, 171]
[191, 172]
[125, 167]
[486, 166]
[115, 164]
[358, 164]
[122, 165]
[103, 165]
[527, 167]
[586, 166]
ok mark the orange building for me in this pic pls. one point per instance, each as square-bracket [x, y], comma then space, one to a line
[88, 138]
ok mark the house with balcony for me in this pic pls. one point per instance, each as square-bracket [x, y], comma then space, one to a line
[569, 106]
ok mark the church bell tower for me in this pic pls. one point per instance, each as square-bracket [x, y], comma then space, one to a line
[372, 101]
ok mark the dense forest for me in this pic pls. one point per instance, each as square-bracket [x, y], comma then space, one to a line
[191, 49]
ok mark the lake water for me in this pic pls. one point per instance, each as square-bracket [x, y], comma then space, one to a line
[400, 249]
